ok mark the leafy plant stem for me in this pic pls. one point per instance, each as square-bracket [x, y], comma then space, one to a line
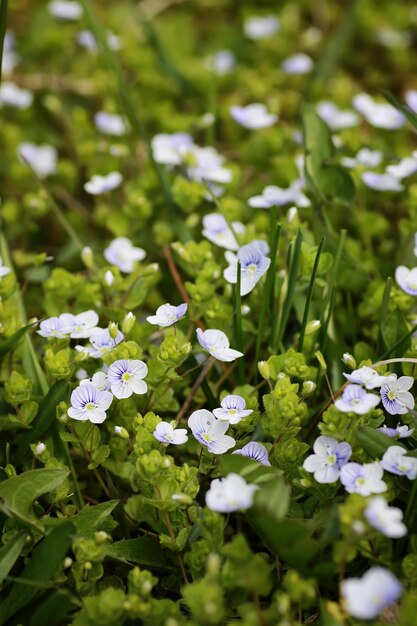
[309, 295]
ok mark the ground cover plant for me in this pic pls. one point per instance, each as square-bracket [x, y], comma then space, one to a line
[207, 317]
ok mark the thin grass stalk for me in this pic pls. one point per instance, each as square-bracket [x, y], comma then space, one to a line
[238, 323]
[384, 311]
[3, 26]
[310, 295]
[292, 279]
[330, 296]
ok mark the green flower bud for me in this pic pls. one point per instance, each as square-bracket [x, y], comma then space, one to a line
[181, 498]
[321, 360]
[263, 368]
[122, 432]
[312, 327]
[128, 322]
[87, 257]
[113, 329]
[349, 360]
[308, 387]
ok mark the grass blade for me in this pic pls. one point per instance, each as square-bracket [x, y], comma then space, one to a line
[238, 323]
[309, 295]
[292, 279]
[3, 25]
[329, 300]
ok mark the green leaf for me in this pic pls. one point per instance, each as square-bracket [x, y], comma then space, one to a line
[12, 342]
[9, 554]
[53, 610]
[374, 442]
[94, 518]
[145, 551]
[46, 416]
[43, 567]
[393, 328]
[273, 498]
[248, 468]
[19, 492]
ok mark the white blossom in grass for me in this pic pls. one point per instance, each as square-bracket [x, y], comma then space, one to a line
[253, 116]
[210, 432]
[328, 459]
[4, 270]
[366, 597]
[368, 377]
[102, 184]
[167, 314]
[256, 451]
[378, 114]
[109, 278]
[82, 325]
[381, 182]
[233, 408]
[403, 169]
[222, 62]
[217, 230]
[363, 479]
[230, 494]
[89, 403]
[126, 377]
[169, 149]
[206, 165]
[65, 9]
[99, 380]
[365, 157]
[401, 432]
[122, 253]
[335, 118]
[407, 279]
[40, 448]
[42, 159]
[10, 58]
[166, 433]
[110, 124]
[261, 27]
[411, 99]
[86, 39]
[15, 97]
[52, 327]
[277, 196]
[217, 344]
[299, 63]
[356, 400]
[253, 265]
[396, 462]
[101, 342]
[396, 398]
[385, 518]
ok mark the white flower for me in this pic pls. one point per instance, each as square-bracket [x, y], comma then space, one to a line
[253, 116]
[110, 124]
[396, 398]
[103, 184]
[261, 27]
[229, 494]
[166, 315]
[10, 58]
[210, 432]
[366, 597]
[299, 63]
[122, 253]
[396, 462]
[125, 377]
[42, 159]
[365, 157]
[335, 118]
[385, 518]
[400, 432]
[363, 479]
[169, 149]
[233, 408]
[87, 40]
[89, 403]
[276, 196]
[222, 62]
[4, 270]
[206, 165]
[217, 230]
[101, 342]
[13, 96]
[411, 99]
[380, 115]
[356, 400]
[328, 458]
[381, 182]
[256, 451]
[165, 433]
[78, 326]
[407, 279]
[253, 265]
[65, 9]
[368, 377]
[217, 344]
[404, 168]
[99, 380]
[40, 448]
[109, 278]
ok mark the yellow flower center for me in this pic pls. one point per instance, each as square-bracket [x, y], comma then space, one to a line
[90, 406]
[126, 377]
[207, 437]
[391, 395]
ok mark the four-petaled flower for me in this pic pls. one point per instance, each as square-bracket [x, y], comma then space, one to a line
[385, 518]
[229, 494]
[166, 433]
[99, 380]
[122, 253]
[276, 196]
[328, 459]
[299, 63]
[396, 462]
[256, 451]
[356, 400]
[381, 182]
[89, 403]
[335, 118]
[101, 342]
[253, 265]
[78, 326]
[126, 377]
[378, 114]
[42, 159]
[102, 184]
[363, 479]
[260, 27]
[217, 230]
[110, 124]
[401, 432]
[167, 314]
[368, 377]
[366, 597]
[253, 116]
[210, 432]
[396, 398]
[233, 408]
[217, 344]
[407, 279]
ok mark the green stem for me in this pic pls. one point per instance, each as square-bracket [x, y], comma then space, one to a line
[238, 323]
[3, 25]
[309, 295]
[292, 279]
[329, 300]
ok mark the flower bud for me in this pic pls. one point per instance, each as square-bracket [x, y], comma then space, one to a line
[87, 257]
[122, 432]
[101, 537]
[128, 322]
[109, 278]
[349, 360]
[88, 565]
[263, 368]
[67, 562]
[181, 498]
[308, 387]
[292, 214]
[312, 327]
[113, 329]
[321, 360]
[213, 564]
[40, 448]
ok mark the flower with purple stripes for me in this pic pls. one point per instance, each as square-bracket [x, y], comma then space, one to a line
[256, 451]
[125, 377]
[233, 408]
[210, 432]
[89, 403]
[396, 398]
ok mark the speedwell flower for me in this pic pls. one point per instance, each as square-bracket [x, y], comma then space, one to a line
[387, 519]
[396, 462]
[166, 433]
[125, 377]
[378, 114]
[4, 270]
[365, 157]
[256, 451]
[404, 168]
[101, 342]
[335, 118]
[229, 494]
[368, 377]
[407, 279]
[356, 400]
[89, 403]
[210, 432]
[122, 253]
[78, 326]
[233, 408]
[110, 124]
[42, 159]
[253, 265]
[396, 398]
[102, 184]
[299, 63]
[12, 95]
[65, 9]
[253, 116]
[363, 479]
[328, 458]
[366, 597]
[99, 380]
[401, 432]
[381, 182]
[261, 27]
[222, 62]
[217, 230]
[276, 196]
[167, 314]
[217, 344]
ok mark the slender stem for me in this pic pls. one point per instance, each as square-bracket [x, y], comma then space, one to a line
[309, 295]
[292, 278]
[199, 381]
[238, 322]
[3, 24]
